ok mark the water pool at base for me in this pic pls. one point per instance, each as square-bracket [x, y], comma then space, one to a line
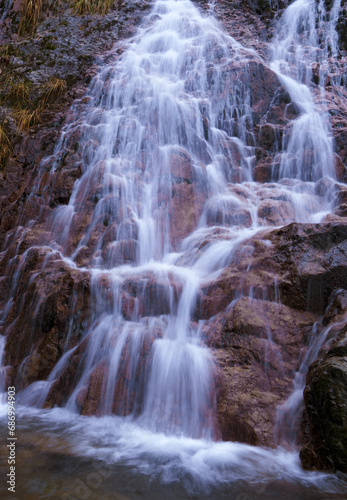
[60, 455]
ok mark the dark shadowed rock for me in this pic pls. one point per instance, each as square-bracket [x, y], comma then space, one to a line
[325, 419]
[324, 423]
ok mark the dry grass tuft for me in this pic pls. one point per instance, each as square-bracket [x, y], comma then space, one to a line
[17, 91]
[30, 16]
[50, 92]
[4, 54]
[31, 114]
[92, 6]
[26, 118]
[5, 148]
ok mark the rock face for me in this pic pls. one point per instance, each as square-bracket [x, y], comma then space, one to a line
[301, 264]
[64, 46]
[325, 416]
[259, 343]
[56, 294]
[251, 23]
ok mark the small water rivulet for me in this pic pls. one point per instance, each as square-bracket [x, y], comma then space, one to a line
[167, 195]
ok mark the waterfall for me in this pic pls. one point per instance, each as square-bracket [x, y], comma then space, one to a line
[306, 40]
[167, 126]
[297, 51]
[166, 141]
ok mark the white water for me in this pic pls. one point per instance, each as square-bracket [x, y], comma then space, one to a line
[170, 96]
[296, 51]
[306, 38]
[199, 467]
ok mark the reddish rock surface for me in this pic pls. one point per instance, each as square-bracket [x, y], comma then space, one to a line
[39, 325]
[257, 345]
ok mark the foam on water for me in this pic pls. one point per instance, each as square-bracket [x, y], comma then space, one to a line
[199, 464]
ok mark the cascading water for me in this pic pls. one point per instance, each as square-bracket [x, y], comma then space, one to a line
[305, 41]
[167, 148]
[309, 148]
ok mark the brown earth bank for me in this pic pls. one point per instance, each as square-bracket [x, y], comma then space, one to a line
[260, 311]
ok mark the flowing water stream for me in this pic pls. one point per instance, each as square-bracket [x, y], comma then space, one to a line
[166, 197]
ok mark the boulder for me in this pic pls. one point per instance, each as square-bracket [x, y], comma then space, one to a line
[325, 417]
[276, 212]
[313, 263]
[39, 326]
[257, 345]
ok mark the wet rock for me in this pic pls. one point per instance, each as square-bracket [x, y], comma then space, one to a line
[130, 390]
[341, 169]
[299, 264]
[267, 137]
[341, 28]
[263, 170]
[264, 85]
[323, 186]
[40, 326]
[261, 318]
[246, 409]
[122, 252]
[336, 103]
[63, 387]
[257, 344]
[274, 212]
[245, 25]
[312, 258]
[337, 307]
[89, 399]
[130, 381]
[63, 185]
[150, 295]
[180, 165]
[229, 214]
[185, 206]
[325, 417]
[341, 211]
[64, 45]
